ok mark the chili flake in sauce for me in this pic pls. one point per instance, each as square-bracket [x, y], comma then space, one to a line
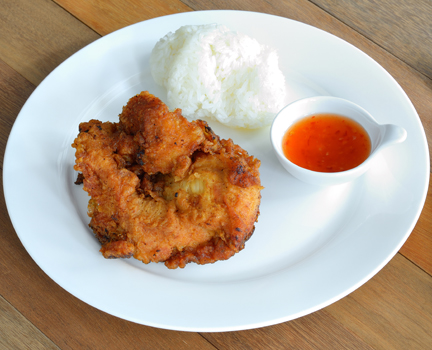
[326, 143]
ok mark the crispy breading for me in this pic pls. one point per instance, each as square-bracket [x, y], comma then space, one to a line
[166, 139]
[164, 189]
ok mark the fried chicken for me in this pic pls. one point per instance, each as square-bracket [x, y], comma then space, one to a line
[164, 189]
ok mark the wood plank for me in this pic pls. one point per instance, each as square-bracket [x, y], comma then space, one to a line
[418, 247]
[64, 319]
[107, 16]
[393, 310]
[319, 330]
[36, 36]
[392, 30]
[11, 86]
[16, 332]
[84, 323]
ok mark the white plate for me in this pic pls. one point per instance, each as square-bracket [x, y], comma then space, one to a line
[311, 247]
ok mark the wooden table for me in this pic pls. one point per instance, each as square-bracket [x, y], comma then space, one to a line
[391, 311]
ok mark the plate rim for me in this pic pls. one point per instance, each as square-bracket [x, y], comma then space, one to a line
[7, 194]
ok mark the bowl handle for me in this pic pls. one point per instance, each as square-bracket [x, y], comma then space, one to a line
[392, 134]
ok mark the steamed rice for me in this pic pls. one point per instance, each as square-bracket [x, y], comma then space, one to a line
[212, 72]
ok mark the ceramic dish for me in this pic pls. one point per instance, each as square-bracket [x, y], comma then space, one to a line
[311, 246]
[380, 136]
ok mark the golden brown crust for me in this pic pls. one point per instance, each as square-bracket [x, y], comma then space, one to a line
[164, 189]
[165, 139]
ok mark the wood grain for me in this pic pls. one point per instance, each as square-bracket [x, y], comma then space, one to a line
[36, 36]
[418, 247]
[405, 31]
[393, 310]
[362, 320]
[12, 85]
[107, 16]
[16, 332]
[319, 330]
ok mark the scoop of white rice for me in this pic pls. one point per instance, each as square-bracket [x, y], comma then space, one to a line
[212, 72]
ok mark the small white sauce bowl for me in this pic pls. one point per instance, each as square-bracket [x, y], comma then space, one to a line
[381, 136]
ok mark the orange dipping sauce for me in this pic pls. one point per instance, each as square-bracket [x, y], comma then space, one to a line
[326, 143]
